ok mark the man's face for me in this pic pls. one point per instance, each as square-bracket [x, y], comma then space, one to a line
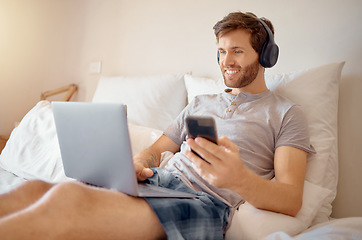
[239, 62]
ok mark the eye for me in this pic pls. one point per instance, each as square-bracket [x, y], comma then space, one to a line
[238, 51]
[222, 51]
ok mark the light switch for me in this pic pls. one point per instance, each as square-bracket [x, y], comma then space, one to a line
[95, 67]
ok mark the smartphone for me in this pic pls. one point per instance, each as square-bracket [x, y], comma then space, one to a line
[200, 126]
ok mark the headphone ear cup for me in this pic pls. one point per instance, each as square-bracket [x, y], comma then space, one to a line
[269, 53]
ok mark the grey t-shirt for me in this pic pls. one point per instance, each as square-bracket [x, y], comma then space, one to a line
[257, 123]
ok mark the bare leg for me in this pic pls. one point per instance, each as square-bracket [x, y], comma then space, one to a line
[76, 211]
[23, 196]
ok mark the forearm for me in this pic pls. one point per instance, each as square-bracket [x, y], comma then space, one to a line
[270, 195]
[148, 158]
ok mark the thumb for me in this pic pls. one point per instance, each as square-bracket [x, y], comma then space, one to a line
[146, 173]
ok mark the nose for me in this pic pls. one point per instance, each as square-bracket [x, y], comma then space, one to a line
[228, 59]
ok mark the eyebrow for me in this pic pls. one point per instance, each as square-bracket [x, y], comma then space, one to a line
[232, 48]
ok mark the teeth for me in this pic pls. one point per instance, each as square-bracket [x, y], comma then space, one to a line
[231, 71]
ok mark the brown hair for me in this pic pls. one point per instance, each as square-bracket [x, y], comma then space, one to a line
[247, 21]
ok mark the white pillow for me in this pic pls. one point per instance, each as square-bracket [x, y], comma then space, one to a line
[200, 85]
[9, 181]
[142, 137]
[317, 91]
[347, 228]
[32, 151]
[152, 101]
[252, 223]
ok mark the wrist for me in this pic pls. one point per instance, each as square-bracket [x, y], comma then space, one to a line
[246, 182]
[148, 162]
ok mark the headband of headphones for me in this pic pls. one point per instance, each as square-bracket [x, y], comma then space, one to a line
[269, 52]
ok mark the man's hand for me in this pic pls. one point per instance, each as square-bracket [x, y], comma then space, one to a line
[150, 157]
[142, 172]
[222, 165]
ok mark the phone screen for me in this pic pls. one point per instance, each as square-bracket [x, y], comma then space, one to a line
[201, 127]
[204, 127]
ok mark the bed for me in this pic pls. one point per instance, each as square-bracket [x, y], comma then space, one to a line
[32, 151]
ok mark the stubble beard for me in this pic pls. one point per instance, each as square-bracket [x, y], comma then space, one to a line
[249, 74]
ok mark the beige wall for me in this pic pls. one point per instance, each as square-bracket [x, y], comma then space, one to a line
[45, 44]
[40, 49]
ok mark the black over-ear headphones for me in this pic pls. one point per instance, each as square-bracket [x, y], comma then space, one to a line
[269, 52]
[268, 55]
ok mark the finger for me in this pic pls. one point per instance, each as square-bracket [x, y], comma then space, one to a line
[202, 167]
[202, 147]
[228, 144]
[143, 173]
[217, 154]
[214, 153]
[147, 172]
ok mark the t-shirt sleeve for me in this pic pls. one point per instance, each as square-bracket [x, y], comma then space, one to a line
[177, 130]
[295, 131]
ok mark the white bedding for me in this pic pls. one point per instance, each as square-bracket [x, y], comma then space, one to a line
[337, 229]
[9, 181]
[32, 151]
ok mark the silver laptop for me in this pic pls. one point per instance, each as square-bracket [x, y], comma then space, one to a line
[96, 149]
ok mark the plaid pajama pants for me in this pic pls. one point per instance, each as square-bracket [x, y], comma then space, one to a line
[203, 217]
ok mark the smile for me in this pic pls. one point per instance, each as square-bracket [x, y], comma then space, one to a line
[230, 72]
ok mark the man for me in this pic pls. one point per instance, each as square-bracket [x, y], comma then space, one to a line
[266, 135]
